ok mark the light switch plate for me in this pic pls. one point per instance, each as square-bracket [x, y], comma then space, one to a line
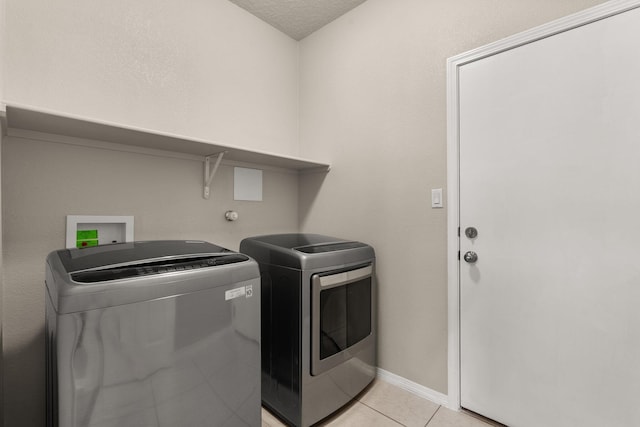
[436, 198]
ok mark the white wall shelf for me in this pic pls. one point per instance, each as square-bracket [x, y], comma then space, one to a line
[37, 120]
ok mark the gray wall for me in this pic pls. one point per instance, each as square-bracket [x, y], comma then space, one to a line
[373, 98]
[44, 181]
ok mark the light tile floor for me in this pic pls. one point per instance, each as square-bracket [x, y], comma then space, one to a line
[384, 404]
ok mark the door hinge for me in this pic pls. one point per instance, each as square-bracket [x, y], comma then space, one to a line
[458, 255]
[458, 231]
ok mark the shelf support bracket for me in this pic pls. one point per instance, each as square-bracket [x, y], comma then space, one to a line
[209, 172]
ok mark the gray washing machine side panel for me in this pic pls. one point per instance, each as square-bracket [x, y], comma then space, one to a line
[191, 359]
[281, 341]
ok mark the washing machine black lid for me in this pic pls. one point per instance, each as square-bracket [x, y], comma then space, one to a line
[296, 240]
[330, 247]
[170, 265]
[118, 254]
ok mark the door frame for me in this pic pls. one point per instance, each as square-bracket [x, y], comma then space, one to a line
[552, 28]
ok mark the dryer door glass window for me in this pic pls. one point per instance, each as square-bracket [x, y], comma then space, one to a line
[345, 316]
[341, 315]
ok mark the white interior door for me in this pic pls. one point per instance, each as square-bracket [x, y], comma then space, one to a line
[550, 178]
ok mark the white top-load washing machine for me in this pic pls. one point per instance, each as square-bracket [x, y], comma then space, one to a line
[152, 334]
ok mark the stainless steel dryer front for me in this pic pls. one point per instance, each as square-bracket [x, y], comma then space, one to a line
[318, 322]
[152, 334]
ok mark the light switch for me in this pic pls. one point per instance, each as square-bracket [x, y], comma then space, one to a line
[436, 198]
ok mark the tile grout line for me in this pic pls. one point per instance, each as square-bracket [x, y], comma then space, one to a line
[432, 416]
[382, 413]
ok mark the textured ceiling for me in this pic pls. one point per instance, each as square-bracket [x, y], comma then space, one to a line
[298, 18]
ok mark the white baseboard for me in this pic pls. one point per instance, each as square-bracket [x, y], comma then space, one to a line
[415, 388]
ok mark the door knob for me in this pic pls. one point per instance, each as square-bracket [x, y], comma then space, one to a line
[471, 257]
[471, 232]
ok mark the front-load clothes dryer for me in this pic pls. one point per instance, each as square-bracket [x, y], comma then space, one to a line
[318, 322]
[152, 334]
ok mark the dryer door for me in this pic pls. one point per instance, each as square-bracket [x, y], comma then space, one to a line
[341, 316]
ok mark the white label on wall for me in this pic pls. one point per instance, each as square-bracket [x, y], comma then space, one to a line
[234, 293]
